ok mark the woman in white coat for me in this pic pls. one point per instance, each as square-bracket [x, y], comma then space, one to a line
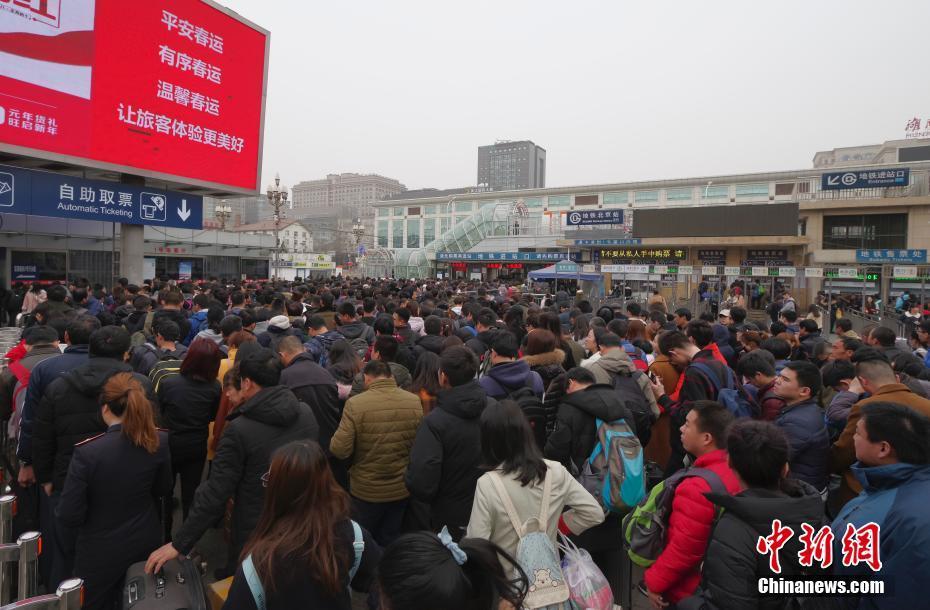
[509, 450]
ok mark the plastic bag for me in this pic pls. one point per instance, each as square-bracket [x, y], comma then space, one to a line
[587, 584]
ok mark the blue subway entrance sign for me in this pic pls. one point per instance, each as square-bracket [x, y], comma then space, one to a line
[594, 217]
[873, 178]
[501, 256]
[37, 193]
[891, 256]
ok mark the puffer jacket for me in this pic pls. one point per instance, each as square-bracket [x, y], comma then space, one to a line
[733, 566]
[506, 377]
[315, 387]
[617, 361]
[809, 440]
[428, 343]
[401, 376]
[270, 419]
[548, 366]
[358, 330]
[446, 454]
[676, 573]
[377, 431]
[575, 431]
[198, 322]
[69, 413]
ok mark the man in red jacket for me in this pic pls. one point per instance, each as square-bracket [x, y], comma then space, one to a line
[676, 573]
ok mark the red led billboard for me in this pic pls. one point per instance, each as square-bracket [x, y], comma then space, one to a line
[171, 89]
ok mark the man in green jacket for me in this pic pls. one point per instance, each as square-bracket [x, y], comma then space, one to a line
[377, 431]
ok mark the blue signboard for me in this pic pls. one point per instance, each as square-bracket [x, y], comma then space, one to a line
[566, 268]
[501, 256]
[37, 193]
[608, 242]
[873, 178]
[891, 256]
[594, 217]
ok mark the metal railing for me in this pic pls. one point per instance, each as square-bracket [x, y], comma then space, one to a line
[68, 596]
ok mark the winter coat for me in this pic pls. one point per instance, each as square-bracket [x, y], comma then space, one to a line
[407, 336]
[377, 431]
[809, 458]
[198, 322]
[617, 361]
[843, 450]
[187, 407]
[428, 343]
[733, 566]
[357, 330]
[147, 355]
[319, 346]
[489, 519]
[548, 366]
[506, 377]
[211, 335]
[43, 374]
[770, 404]
[69, 413]
[401, 376]
[271, 337]
[894, 497]
[444, 461]
[177, 316]
[270, 419]
[676, 573]
[575, 434]
[294, 588]
[315, 387]
[481, 342]
[8, 379]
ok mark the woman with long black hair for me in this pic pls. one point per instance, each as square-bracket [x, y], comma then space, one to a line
[305, 551]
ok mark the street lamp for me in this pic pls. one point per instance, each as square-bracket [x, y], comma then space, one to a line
[358, 230]
[277, 198]
[223, 213]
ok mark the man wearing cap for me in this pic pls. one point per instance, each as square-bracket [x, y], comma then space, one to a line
[724, 317]
[278, 328]
[41, 344]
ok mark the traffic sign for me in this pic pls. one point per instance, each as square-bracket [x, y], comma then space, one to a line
[38, 193]
[874, 178]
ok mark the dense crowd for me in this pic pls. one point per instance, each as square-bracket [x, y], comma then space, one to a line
[432, 444]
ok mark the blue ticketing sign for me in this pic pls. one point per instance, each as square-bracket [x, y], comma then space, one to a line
[873, 178]
[891, 256]
[38, 193]
[594, 217]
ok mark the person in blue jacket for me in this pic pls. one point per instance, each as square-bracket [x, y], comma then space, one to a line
[894, 468]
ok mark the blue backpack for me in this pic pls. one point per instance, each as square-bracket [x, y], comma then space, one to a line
[729, 394]
[614, 473]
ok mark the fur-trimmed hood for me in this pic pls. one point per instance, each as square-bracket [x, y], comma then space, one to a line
[556, 356]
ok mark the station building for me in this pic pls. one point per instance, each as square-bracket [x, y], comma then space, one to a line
[855, 221]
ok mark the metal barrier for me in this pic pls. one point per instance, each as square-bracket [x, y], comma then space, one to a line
[25, 553]
[69, 596]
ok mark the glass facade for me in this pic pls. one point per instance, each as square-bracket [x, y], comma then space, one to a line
[865, 232]
[715, 192]
[430, 210]
[397, 237]
[679, 194]
[646, 196]
[383, 233]
[616, 197]
[443, 225]
[429, 230]
[752, 190]
[533, 202]
[398, 212]
[384, 212]
[559, 201]
[464, 206]
[413, 233]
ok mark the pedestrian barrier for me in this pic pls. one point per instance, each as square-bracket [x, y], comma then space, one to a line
[25, 554]
[69, 596]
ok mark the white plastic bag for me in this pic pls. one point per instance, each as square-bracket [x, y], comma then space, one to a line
[588, 586]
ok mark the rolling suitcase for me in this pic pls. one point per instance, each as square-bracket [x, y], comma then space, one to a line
[178, 586]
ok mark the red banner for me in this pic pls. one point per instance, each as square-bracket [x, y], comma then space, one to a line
[168, 88]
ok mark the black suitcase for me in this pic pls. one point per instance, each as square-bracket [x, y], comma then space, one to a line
[177, 587]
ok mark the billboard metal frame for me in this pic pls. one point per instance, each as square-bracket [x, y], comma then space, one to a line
[155, 175]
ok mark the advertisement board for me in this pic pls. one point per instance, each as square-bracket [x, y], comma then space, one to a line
[170, 89]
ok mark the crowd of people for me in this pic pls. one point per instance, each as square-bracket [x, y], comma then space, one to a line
[405, 438]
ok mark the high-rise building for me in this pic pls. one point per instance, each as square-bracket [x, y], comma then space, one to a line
[507, 166]
[351, 194]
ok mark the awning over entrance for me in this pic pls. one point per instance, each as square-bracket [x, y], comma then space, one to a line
[564, 270]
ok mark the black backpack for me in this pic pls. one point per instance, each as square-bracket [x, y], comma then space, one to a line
[627, 387]
[533, 408]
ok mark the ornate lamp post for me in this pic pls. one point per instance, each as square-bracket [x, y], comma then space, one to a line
[277, 198]
[223, 213]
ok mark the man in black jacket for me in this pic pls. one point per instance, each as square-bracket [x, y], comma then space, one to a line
[486, 325]
[446, 453]
[270, 416]
[68, 414]
[758, 453]
[314, 386]
[164, 346]
[170, 303]
[432, 341]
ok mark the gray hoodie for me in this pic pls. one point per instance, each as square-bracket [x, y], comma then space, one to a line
[615, 361]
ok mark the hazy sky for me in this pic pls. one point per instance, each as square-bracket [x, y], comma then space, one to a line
[614, 91]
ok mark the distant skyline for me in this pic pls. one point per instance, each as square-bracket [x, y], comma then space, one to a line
[614, 91]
